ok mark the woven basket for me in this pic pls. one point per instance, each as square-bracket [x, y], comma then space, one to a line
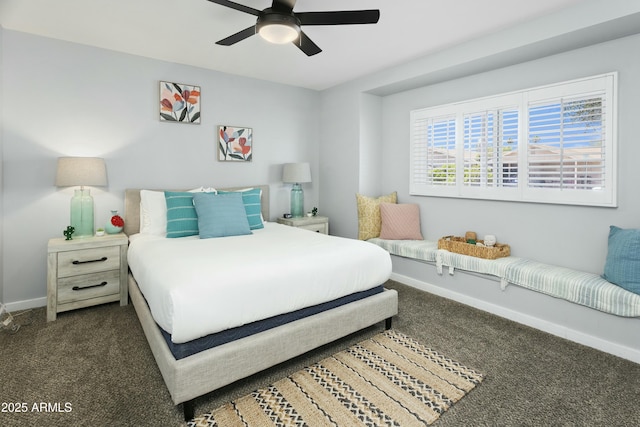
[460, 246]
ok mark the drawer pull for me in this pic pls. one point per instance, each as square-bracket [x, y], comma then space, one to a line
[81, 288]
[104, 258]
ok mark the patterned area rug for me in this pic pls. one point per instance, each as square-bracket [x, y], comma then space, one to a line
[388, 380]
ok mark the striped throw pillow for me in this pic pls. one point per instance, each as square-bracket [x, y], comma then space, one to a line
[182, 220]
[252, 205]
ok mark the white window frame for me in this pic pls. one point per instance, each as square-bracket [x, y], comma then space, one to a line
[605, 85]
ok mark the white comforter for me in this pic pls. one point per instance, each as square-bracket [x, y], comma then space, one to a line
[196, 287]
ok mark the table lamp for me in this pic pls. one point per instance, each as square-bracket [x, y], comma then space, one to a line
[296, 174]
[81, 171]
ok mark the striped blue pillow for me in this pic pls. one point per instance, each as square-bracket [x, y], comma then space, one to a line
[182, 220]
[623, 258]
[220, 215]
[252, 205]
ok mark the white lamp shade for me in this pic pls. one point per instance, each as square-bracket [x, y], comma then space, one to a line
[295, 173]
[74, 171]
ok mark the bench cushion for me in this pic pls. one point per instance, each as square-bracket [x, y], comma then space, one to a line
[588, 289]
[417, 249]
[584, 288]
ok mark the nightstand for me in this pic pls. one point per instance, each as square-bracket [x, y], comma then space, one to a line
[86, 272]
[319, 224]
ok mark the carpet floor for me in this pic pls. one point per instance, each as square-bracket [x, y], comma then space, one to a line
[94, 367]
[387, 380]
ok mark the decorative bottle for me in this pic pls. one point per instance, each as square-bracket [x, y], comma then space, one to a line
[297, 201]
[82, 213]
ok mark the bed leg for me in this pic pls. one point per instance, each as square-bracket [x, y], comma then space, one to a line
[189, 408]
[387, 323]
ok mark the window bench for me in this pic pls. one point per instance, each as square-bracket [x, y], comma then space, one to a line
[579, 287]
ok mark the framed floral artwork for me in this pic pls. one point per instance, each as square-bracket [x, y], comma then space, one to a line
[179, 103]
[235, 144]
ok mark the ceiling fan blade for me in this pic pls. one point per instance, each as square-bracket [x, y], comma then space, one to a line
[237, 37]
[283, 5]
[370, 16]
[237, 6]
[307, 45]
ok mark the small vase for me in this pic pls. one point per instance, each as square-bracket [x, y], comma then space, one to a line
[115, 225]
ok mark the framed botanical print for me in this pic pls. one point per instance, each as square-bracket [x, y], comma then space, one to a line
[235, 144]
[179, 103]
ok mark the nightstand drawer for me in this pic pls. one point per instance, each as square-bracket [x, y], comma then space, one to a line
[71, 263]
[318, 228]
[89, 286]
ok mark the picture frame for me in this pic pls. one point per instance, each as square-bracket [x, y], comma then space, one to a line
[235, 144]
[179, 103]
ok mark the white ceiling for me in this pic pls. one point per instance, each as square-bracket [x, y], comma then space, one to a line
[185, 31]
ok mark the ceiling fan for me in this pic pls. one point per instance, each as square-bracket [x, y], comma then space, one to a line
[280, 24]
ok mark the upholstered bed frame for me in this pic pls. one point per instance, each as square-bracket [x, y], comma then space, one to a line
[203, 372]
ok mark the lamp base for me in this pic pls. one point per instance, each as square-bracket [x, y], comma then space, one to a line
[82, 213]
[297, 201]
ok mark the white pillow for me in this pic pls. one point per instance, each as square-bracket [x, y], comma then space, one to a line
[153, 211]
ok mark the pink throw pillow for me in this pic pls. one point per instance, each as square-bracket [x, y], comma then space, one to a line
[400, 221]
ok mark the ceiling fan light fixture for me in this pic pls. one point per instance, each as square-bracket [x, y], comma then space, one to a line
[278, 33]
[280, 24]
[278, 28]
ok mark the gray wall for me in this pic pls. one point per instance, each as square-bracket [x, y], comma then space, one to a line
[66, 99]
[572, 236]
[1, 166]
[591, 38]
[61, 98]
[340, 160]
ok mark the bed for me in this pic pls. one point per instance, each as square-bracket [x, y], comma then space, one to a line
[198, 372]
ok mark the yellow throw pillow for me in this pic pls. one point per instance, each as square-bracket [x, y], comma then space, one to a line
[369, 219]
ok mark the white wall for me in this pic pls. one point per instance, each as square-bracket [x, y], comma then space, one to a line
[64, 99]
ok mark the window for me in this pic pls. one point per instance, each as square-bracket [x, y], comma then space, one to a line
[552, 144]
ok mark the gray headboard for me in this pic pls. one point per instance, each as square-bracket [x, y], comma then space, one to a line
[132, 206]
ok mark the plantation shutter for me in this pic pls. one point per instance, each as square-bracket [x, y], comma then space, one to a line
[549, 144]
[566, 147]
[433, 156]
[490, 148]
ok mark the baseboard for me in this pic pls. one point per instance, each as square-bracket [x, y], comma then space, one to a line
[532, 321]
[27, 304]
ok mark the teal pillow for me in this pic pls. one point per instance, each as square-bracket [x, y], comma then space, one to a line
[221, 215]
[623, 258]
[182, 220]
[252, 205]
